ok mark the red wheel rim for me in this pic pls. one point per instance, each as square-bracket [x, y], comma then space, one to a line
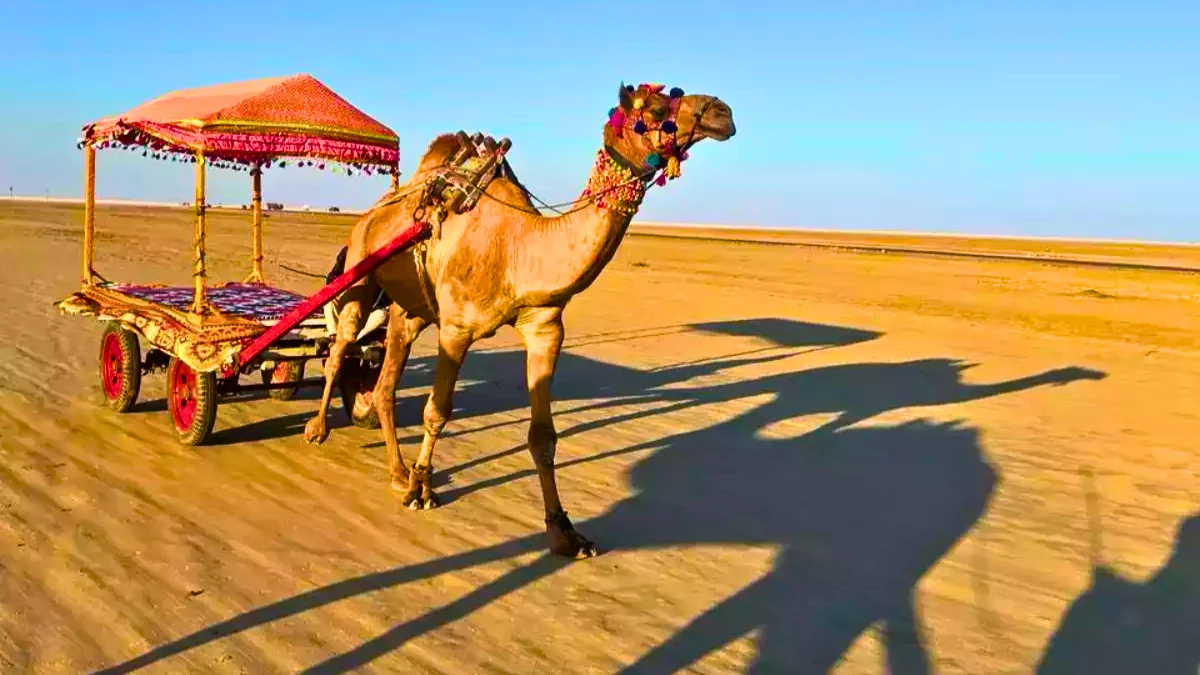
[282, 373]
[112, 366]
[183, 396]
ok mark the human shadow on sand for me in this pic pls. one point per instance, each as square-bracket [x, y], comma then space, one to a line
[858, 515]
[1121, 626]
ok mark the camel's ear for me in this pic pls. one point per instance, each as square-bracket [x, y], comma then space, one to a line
[626, 97]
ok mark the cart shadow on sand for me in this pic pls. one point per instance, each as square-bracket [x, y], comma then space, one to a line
[858, 513]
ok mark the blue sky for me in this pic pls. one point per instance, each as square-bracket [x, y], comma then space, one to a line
[1046, 118]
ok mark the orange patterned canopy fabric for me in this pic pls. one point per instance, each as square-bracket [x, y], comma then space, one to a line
[253, 123]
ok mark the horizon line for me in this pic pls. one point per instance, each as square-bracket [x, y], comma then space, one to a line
[665, 224]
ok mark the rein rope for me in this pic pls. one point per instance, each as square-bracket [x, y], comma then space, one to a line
[312, 275]
[578, 204]
[658, 167]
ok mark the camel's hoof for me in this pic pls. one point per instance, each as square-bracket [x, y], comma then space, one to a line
[415, 503]
[400, 484]
[424, 503]
[565, 540]
[586, 549]
[418, 494]
[315, 432]
[574, 546]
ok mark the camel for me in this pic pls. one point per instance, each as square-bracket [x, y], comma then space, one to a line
[503, 263]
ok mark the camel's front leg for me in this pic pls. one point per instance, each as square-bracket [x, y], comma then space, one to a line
[402, 331]
[452, 349]
[541, 330]
[349, 321]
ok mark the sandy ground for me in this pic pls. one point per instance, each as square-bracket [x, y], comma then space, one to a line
[812, 459]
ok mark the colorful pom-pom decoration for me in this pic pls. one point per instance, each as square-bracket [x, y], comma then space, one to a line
[675, 92]
[669, 127]
[638, 103]
[639, 127]
[653, 160]
[617, 120]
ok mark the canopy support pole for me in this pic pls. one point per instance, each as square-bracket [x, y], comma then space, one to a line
[199, 241]
[89, 212]
[396, 182]
[257, 275]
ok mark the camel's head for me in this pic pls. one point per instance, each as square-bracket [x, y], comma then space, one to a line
[655, 128]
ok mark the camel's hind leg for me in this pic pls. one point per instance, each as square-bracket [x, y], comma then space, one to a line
[541, 330]
[350, 321]
[402, 331]
[452, 350]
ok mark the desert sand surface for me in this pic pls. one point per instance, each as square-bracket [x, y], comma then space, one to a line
[794, 459]
[1110, 253]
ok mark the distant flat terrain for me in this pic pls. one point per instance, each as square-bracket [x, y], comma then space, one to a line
[1116, 252]
[823, 458]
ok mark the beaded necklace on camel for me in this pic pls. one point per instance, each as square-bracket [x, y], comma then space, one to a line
[612, 185]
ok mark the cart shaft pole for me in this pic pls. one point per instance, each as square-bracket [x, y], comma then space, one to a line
[402, 242]
[199, 239]
[89, 212]
[256, 246]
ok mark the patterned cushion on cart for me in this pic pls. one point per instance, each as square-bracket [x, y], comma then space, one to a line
[249, 301]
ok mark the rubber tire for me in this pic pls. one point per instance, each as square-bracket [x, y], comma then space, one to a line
[295, 374]
[130, 366]
[206, 405]
[356, 377]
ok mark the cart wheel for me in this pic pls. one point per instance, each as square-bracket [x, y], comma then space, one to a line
[284, 371]
[357, 385]
[120, 367]
[191, 402]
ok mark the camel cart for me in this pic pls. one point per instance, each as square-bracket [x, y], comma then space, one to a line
[207, 337]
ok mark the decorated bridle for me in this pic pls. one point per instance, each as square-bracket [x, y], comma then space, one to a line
[618, 183]
[668, 153]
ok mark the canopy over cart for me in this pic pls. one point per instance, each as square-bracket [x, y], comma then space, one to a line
[246, 126]
[199, 333]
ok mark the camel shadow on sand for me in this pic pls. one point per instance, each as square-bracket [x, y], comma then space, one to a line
[494, 381]
[858, 513]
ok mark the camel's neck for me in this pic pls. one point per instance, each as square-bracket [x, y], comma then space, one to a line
[613, 187]
[576, 246]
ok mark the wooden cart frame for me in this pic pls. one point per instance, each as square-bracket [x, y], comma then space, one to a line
[207, 337]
